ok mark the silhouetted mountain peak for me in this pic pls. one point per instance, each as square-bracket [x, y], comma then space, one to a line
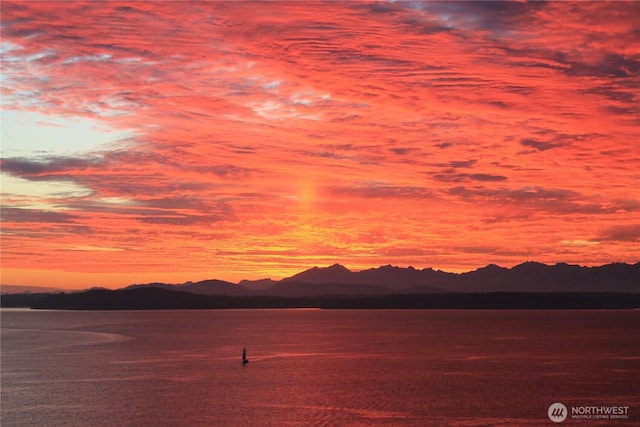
[387, 279]
[338, 268]
[530, 265]
[489, 268]
[216, 287]
[204, 287]
[258, 285]
[335, 273]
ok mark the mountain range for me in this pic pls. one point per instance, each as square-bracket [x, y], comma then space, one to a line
[337, 280]
[530, 285]
[387, 280]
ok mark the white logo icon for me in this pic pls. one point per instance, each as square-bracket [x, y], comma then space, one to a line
[557, 412]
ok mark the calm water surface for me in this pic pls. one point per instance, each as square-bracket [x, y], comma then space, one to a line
[315, 367]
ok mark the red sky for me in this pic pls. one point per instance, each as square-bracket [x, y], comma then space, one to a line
[239, 140]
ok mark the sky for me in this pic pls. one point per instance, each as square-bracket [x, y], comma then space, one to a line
[177, 141]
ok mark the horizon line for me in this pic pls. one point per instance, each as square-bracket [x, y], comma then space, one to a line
[61, 288]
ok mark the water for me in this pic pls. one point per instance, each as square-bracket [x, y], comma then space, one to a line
[314, 367]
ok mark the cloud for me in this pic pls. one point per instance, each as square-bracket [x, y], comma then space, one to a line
[620, 233]
[539, 145]
[460, 177]
[462, 163]
[55, 168]
[18, 215]
[477, 249]
[612, 65]
[451, 174]
[556, 200]
[517, 195]
[315, 123]
[376, 190]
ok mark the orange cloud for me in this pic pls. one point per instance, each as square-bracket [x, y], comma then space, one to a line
[267, 138]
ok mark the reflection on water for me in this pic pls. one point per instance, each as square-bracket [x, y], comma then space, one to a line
[52, 338]
[313, 367]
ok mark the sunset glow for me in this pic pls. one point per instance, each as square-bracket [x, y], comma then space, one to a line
[175, 141]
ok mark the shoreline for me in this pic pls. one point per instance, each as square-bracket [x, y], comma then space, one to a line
[162, 299]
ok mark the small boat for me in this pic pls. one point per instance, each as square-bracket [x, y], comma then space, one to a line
[244, 356]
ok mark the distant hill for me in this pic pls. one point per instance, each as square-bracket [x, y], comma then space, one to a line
[333, 274]
[19, 289]
[258, 285]
[303, 289]
[217, 287]
[537, 277]
[386, 280]
[339, 281]
[28, 299]
[151, 298]
[526, 277]
[204, 287]
[392, 279]
[140, 298]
